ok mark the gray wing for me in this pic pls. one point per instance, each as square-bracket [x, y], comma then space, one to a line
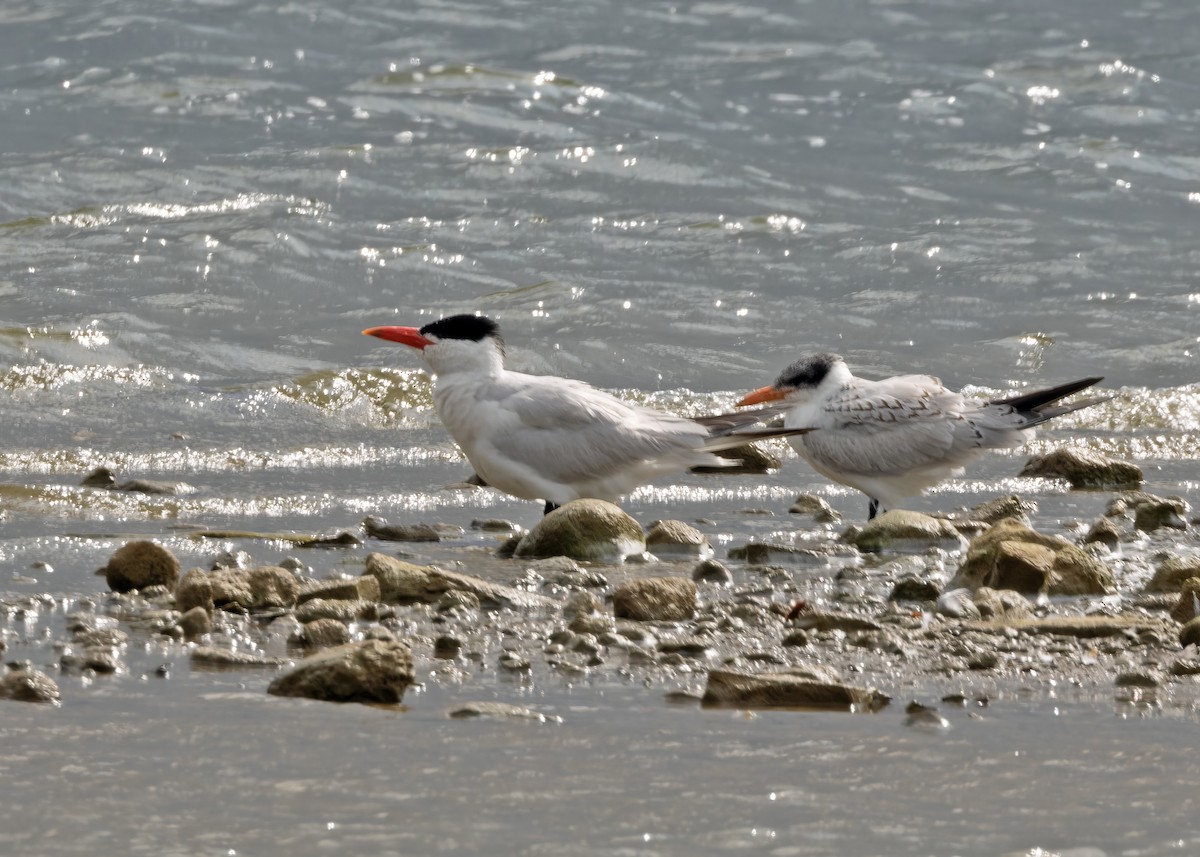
[893, 426]
[574, 432]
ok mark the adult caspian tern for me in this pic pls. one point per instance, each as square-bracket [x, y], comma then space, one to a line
[539, 437]
[894, 438]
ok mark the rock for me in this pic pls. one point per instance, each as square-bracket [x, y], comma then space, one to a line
[993, 604]
[762, 553]
[339, 610]
[675, 538]
[1172, 573]
[503, 710]
[361, 588]
[582, 604]
[655, 599]
[101, 477]
[496, 525]
[1084, 469]
[149, 486]
[906, 532]
[712, 571]
[210, 656]
[1104, 532]
[378, 528]
[196, 622]
[845, 622]
[785, 690]
[1189, 634]
[369, 671]
[29, 685]
[457, 599]
[1149, 511]
[1077, 572]
[957, 604]
[323, 633]
[1084, 627]
[1169, 512]
[589, 530]
[267, 587]
[752, 459]
[1138, 678]
[811, 504]
[1009, 555]
[139, 564]
[404, 583]
[1001, 508]
[194, 590]
[913, 588]
[1188, 605]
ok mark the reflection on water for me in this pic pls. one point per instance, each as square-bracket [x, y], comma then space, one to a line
[204, 205]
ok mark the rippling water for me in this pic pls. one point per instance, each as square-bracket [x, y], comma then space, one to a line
[203, 204]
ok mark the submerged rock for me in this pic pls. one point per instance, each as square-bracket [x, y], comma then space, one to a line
[369, 671]
[405, 583]
[504, 710]
[811, 504]
[210, 656]
[906, 532]
[139, 564]
[675, 538]
[655, 599]
[589, 530]
[787, 690]
[378, 528]
[29, 685]
[1084, 469]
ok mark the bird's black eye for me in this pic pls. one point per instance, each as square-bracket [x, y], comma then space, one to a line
[809, 371]
[474, 328]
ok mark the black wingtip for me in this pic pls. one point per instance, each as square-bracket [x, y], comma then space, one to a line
[1041, 398]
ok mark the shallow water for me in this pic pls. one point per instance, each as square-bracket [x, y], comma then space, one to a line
[203, 204]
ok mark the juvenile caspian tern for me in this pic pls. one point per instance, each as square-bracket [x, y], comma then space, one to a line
[892, 439]
[539, 437]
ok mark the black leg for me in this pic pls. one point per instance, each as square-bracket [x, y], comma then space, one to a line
[872, 508]
[550, 507]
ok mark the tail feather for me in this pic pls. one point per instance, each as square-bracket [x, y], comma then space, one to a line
[1037, 401]
[740, 419]
[741, 438]
[1045, 413]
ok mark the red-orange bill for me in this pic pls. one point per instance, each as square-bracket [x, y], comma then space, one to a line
[762, 394]
[409, 336]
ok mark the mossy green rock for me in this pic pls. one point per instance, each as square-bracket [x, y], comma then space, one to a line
[589, 530]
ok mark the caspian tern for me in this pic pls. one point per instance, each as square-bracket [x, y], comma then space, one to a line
[539, 437]
[894, 438]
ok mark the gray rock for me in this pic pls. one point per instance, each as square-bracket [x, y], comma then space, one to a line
[211, 656]
[195, 623]
[1011, 506]
[369, 671]
[914, 589]
[655, 599]
[323, 633]
[589, 530]
[675, 538]
[404, 583]
[712, 571]
[1084, 469]
[1009, 555]
[29, 685]
[378, 528]
[785, 690]
[816, 507]
[1172, 573]
[903, 531]
[957, 604]
[503, 710]
[363, 587]
[139, 564]
[1084, 627]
